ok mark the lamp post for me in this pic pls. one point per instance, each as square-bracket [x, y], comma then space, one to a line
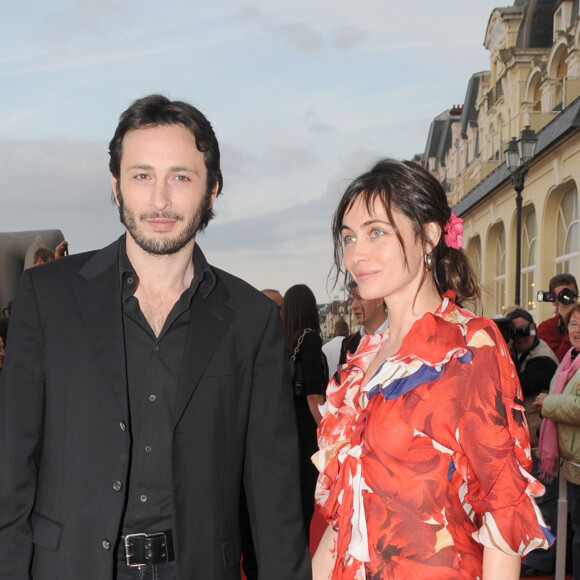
[518, 154]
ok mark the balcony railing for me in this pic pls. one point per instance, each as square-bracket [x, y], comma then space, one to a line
[493, 95]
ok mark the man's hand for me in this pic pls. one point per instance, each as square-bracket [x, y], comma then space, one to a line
[61, 250]
[538, 402]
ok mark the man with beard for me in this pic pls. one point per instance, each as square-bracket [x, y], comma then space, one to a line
[141, 386]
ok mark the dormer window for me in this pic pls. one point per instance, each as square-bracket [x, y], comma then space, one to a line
[562, 18]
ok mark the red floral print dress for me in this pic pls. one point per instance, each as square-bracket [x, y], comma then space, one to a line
[430, 461]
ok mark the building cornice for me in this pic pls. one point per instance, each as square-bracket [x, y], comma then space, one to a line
[557, 129]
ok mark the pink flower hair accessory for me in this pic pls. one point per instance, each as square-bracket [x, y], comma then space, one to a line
[454, 232]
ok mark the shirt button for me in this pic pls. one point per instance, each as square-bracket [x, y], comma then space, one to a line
[152, 398]
[130, 280]
[117, 485]
[123, 426]
[106, 544]
[147, 448]
[156, 348]
[143, 498]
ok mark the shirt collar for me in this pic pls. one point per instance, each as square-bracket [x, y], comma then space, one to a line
[379, 330]
[203, 276]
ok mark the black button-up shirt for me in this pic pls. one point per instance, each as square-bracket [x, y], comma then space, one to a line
[153, 371]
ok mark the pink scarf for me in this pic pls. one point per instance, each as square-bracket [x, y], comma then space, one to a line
[548, 447]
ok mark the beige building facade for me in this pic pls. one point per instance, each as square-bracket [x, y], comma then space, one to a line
[533, 80]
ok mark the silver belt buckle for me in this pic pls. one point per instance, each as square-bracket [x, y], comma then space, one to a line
[128, 555]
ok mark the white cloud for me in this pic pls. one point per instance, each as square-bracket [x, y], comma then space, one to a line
[302, 37]
[304, 95]
[58, 185]
[349, 37]
[321, 129]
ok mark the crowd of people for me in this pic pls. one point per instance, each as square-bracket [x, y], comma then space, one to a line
[163, 419]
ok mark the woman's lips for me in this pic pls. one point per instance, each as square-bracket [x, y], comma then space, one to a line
[364, 275]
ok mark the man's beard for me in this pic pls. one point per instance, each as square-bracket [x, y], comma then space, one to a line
[163, 246]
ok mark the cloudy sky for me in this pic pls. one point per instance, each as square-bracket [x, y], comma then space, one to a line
[304, 95]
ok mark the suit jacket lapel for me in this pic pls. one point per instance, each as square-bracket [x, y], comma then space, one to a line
[210, 318]
[99, 298]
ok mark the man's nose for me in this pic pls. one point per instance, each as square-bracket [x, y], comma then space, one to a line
[160, 196]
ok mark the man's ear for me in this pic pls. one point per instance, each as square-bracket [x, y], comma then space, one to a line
[432, 234]
[114, 182]
[214, 193]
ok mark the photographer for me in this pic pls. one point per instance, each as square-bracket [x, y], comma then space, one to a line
[536, 364]
[564, 294]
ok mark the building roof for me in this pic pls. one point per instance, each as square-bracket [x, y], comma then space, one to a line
[536, 29]
[469, 113]
[439, 138]
[566, 122]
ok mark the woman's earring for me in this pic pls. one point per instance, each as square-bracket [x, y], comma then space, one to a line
[428, 261]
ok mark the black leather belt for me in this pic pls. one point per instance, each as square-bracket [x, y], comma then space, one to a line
[142, 549]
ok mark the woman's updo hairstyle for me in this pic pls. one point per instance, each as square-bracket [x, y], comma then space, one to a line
[408, 188]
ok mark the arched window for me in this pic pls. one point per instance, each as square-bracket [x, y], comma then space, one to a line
[474, 254]
[529, 239]
[567, 233]
[500, 302]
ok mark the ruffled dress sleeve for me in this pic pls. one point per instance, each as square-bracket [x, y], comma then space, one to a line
[493, 455]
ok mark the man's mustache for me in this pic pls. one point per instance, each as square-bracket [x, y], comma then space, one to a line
[161, 215]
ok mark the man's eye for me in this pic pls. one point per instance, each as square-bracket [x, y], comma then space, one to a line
[141, 176]
[182, 178]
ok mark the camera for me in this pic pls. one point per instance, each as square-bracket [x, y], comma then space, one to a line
[526, 330]
[510, 332]
[565, 297]
[506, 327]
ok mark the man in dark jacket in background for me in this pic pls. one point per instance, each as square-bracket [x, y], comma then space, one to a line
[536, 364]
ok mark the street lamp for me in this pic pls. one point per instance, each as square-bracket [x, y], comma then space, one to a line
[518, 154]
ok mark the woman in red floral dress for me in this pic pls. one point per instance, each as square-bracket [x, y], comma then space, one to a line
[424, 451]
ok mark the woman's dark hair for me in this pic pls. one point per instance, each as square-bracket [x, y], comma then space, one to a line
[575, 308]
[157, 110]
[408, 188]
[299, 311]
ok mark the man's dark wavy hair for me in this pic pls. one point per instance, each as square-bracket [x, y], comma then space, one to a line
[563, 279]
[158, 110]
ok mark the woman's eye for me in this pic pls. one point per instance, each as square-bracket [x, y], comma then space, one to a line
[375, 233]
[348, 239]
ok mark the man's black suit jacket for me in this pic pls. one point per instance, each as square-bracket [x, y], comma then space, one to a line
[65, 434]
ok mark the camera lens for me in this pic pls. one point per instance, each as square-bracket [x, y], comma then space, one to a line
[566, 297]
